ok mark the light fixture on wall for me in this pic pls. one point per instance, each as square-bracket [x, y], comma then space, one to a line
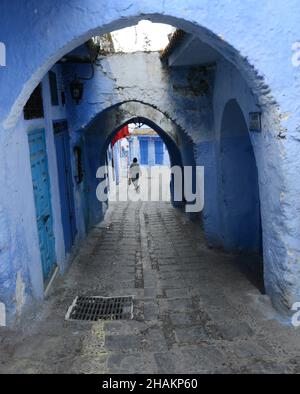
[76, 89]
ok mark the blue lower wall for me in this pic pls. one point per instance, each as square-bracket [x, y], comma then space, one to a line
[206, 156]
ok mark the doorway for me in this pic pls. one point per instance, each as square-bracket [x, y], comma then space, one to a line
[62, 144]
[41, 189]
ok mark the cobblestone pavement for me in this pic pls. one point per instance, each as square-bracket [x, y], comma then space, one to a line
[194, 312]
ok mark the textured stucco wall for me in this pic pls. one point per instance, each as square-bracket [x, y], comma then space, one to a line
[141, 77]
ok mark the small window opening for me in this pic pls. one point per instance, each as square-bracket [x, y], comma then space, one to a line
[34, 108]
[53, 88]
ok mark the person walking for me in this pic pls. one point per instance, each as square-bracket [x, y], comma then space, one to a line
[135, 174]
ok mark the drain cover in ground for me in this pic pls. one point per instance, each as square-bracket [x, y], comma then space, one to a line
[101, 308]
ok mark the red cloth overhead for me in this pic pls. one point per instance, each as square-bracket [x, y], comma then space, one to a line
[123, 133]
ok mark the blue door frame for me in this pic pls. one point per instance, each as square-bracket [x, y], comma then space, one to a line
[62, 144]
[41, 189]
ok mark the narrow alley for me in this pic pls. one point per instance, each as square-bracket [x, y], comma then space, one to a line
[194, 310]
[149, 187]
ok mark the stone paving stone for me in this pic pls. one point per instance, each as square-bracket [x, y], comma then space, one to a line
[150, 293]
[124, 327]
[122, 343]
[151, 311]
[181, 319]
[134, 363]
[149, 279]
[247, 349]
[165, 363]
[173, 283]
[203, 359]
[154, 339]
[177, 293]
[191, 335]
[89, 365]
[180, 305]
[235, 330]
[261, 366]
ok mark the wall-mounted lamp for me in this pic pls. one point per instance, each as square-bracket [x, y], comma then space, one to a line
[76, 86]
[76, 89]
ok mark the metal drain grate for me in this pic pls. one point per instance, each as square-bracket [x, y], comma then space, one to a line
[101, 308]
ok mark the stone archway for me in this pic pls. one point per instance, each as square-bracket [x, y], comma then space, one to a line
[239, 188]
[239, 196]
[101, 130]
[112, 118]
[69, 34]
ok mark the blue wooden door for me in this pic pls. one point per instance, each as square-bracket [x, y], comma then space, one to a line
[41, 188]
[159, 152]
[144, 152]
[62, 144]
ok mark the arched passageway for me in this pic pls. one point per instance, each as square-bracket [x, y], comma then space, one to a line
[239, 189]
[100, 132]
[93, 21]
[195, 105]
[239, 197]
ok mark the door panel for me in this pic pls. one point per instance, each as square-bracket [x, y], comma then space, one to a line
[144, 152]
[41, 188]
[159, 152]
[65, 182]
